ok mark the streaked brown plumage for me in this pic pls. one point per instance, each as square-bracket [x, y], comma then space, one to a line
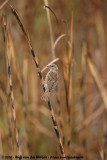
[51, 80]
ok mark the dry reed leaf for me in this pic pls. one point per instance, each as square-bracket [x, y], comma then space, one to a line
[50, 29]
[8, 56]
[100, 31]
[1, 147]
[58, 39]
[98, 80]
[101, 88]
[14, 61]
[83, 60]
[42, 109]
[102, 154]
[71, 60]
[3, 96]
[69, 81]
[41, 128]
[3, 4]
[53, 45]
[88, 120]
[54, 61]
[25, 81]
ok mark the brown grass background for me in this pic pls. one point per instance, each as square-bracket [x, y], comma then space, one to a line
[83, 73]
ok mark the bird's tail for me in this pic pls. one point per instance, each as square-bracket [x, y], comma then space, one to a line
[45, 96]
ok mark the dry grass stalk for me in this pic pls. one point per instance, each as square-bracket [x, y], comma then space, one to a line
[71, 60]
[41, 78]
[98, 80]
[53, 46]
[3, 4]
[83, 62]
[50, 28]
[102, 154]
[88, 120]
[1, 148]
[8, 53]
[58, 39]
[101, 88]
[52, 13]
[55, 60]
[41, 128]
[66, 82]
[101, 34]
[5, 99]
[42, 109]
[14, 61]
[82, 97]
[69, 77]
[3, 96]
[25, 87]
[58, 102]
[60, 119]
[25, 103]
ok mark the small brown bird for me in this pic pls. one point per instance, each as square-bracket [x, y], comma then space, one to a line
[51, 81]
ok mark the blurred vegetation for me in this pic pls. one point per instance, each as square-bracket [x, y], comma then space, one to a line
[80, 102]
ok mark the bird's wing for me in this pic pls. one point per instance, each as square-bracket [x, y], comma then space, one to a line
[51, 80]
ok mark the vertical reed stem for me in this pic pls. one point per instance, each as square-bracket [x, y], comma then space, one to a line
[1, 148]
[41, 78]
[6, 33]
[50, 28]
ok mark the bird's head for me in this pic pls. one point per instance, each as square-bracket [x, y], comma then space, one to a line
[53, 67]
